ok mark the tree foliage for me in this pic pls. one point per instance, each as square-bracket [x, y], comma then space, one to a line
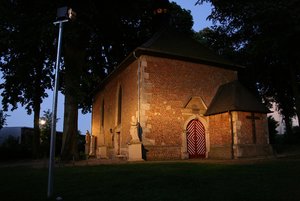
[104, 33]
[26, 53]
[101, 37]
[109, 32]
[263, 36]
[3, 117]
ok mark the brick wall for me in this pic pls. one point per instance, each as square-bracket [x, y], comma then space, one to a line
[166, 87]
[127, 79]
[245, 134]
[220, 136]
[245, 145]
[162, 152]
[172, 84]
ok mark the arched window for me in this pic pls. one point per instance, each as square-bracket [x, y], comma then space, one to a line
[119, 117]
[102, 113]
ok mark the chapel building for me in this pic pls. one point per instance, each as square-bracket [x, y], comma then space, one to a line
[171, 98]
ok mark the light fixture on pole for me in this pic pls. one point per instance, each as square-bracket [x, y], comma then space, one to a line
[42, 121]
[64, 14]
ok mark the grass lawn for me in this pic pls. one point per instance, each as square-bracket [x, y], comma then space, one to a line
[174, 181]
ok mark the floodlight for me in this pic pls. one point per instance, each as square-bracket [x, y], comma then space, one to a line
[65, 13]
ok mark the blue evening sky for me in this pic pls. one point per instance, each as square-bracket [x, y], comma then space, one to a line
[19, 117]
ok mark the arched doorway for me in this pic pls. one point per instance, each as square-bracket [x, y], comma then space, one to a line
[196, 145]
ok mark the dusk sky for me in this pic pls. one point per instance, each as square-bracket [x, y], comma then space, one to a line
[19, 117]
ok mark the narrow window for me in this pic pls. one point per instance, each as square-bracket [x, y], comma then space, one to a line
[102, 113]
[119, 105]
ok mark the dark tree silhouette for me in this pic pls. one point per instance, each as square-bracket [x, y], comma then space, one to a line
[25, 56]
[263, 36]
[93, 45]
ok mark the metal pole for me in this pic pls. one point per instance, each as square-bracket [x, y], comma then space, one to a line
[54, 111]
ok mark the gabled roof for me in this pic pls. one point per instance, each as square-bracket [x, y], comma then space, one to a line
[233, 96]
[173, 44]
[169, 43]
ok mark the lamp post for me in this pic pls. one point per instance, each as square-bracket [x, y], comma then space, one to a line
[64, 14]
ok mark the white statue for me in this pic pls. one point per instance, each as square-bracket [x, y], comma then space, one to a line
[134, 130]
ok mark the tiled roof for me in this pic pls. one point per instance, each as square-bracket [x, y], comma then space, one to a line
[173, 44]
[233, 96]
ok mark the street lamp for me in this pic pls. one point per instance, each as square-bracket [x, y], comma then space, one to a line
[42, 122]
[64, 14]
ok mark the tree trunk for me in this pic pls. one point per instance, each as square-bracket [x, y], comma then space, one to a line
[74, 61]
[296, 92]
[37, 109]
[288, 126]
[69, 146]
[36, 129]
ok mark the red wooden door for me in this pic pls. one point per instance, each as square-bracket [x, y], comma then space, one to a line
[196, 139]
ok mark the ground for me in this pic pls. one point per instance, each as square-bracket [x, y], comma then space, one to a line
[246, 179]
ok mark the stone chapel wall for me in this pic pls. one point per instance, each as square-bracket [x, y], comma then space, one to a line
[220, 136]
[107, 134]
[246, 145]
[245, 132]
[242, 127]
[168, 85]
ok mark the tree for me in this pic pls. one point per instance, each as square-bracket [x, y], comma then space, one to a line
[93, 50]
[93, 46]
[45, 128]
[272, 125]
[263, 36]
[2, 119]
[26, 56]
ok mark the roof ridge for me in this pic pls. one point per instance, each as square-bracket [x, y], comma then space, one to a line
[169, 41]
